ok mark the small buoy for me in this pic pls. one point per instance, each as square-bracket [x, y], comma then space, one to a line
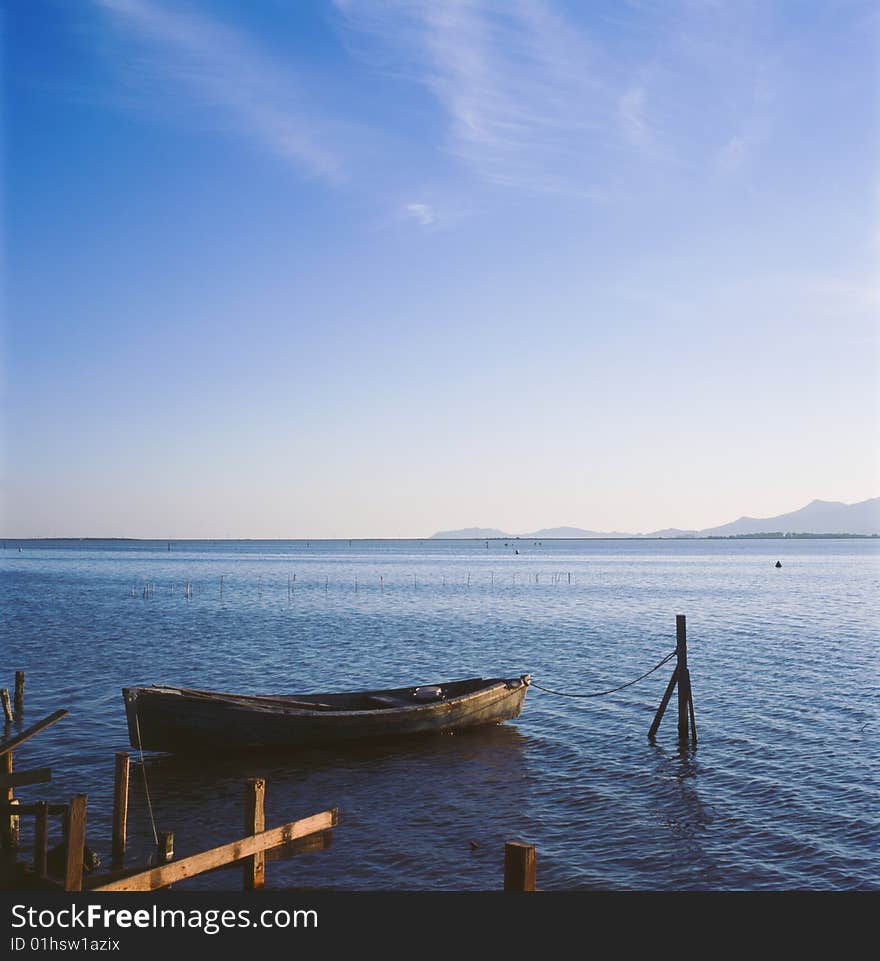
[779, 563]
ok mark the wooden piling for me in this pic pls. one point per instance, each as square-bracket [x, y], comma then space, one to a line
[19, 694]
[9, 832]
[519, 866]
[14, 826]
[41, 838]
[683, 686]
[682, 679]
[7, 706]
[165, 847]
[76, 842]
[120, 808]
[254, 867]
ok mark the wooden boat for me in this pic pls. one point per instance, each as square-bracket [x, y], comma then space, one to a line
[183, 719]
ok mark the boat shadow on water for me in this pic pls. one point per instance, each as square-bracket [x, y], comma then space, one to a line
[499, 745]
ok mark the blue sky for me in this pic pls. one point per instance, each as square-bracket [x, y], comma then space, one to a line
[360, 269]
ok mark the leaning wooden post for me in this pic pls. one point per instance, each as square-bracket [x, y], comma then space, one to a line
[19, 694]
[41, 839]
[254, 868]
[7, 706]
[120, 808]
[658, 717]
[519, 866]
[76, 842]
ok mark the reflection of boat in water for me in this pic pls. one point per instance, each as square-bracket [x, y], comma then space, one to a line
[183, 719]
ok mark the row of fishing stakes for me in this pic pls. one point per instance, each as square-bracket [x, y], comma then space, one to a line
[149, 588]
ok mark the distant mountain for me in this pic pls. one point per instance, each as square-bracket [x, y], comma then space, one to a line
[818, 517]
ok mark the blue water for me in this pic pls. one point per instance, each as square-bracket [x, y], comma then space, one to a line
[782, 791]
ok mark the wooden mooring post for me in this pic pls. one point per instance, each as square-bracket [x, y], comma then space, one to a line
[76, 842]
[165, 847]
[681, 678]
[41, 839]
[9, 835]
[19, 694]
[7, 705]
[120, 808]
[254, 867]
[519, 866]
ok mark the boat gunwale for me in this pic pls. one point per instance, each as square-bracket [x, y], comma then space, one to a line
[500, 687]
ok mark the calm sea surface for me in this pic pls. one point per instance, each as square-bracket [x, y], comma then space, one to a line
[782, 791]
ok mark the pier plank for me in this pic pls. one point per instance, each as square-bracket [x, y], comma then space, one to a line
[162, 876]
[11, 743]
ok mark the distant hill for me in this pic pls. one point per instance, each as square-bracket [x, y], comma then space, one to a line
[818, 517]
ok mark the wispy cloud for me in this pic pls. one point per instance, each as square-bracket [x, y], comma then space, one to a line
[514, 80]
[535, 100]
[633, 119]
[219, 69]
[423, 214]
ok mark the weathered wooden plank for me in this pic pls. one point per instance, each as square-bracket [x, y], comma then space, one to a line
[254, 867]
[15, 808]
[41, 838]
[120, 808]
[519, 866]
[37, 775]
[313, 842]
[11, 743]
[166, 874]
[7, 705]
[76, 842]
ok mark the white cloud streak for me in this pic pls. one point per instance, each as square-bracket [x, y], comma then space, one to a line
[423, 214]
[535, 101]
[513, 79]
[217, 67]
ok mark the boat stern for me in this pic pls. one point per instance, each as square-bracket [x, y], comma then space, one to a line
[129, 696]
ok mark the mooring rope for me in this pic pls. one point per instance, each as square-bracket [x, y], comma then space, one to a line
[656, 667]
[137, 727]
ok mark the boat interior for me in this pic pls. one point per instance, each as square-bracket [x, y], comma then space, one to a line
[391, 699]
